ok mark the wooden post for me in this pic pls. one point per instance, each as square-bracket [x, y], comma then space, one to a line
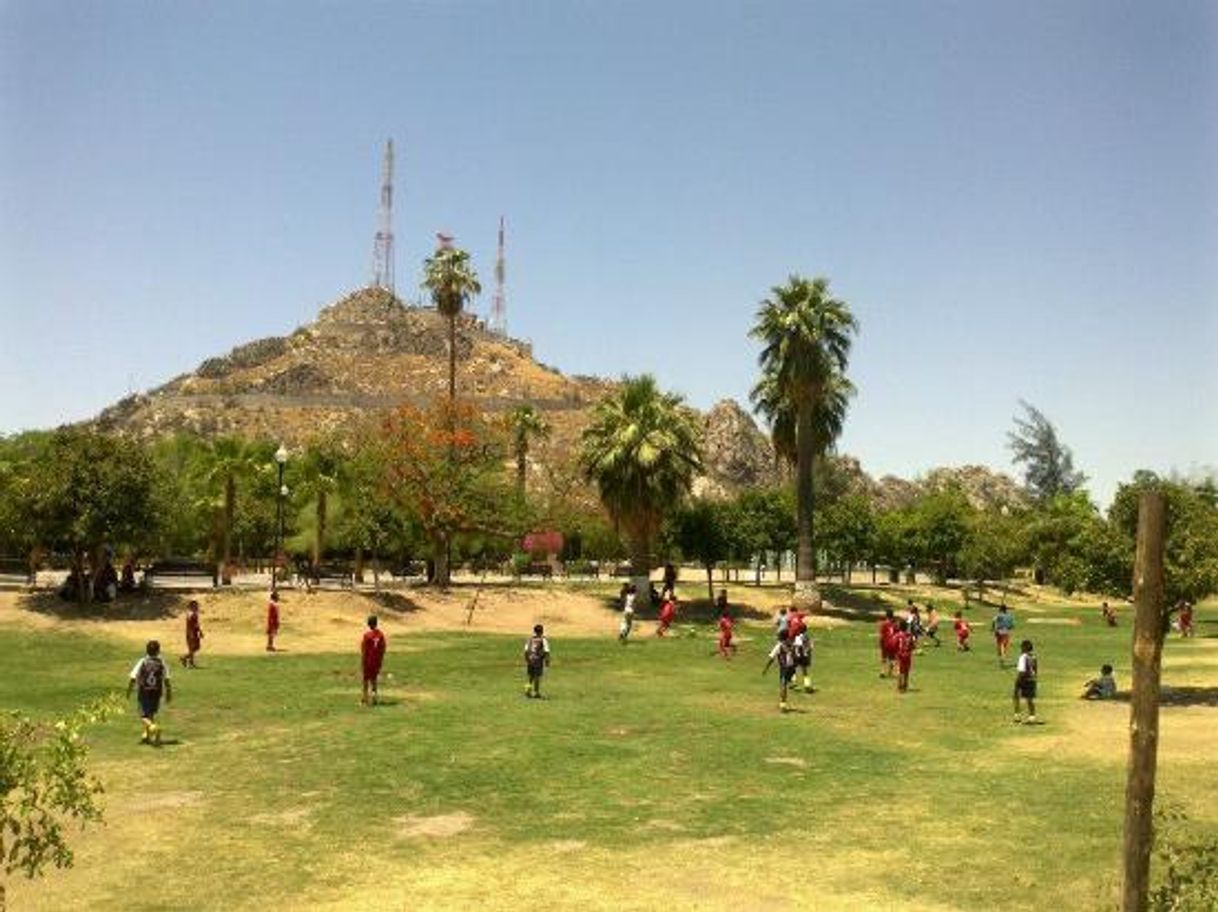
[1148, 633]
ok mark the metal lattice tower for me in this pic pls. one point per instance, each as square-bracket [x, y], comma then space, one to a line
[382, 246]
[499, 303]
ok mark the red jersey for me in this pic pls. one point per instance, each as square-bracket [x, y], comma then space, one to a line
[272, 617]
[795, 625]
[725, 626]
[962, 629]
[372, 652]
[667, 610]
[194, 633]
[888, 627]
[904, 642]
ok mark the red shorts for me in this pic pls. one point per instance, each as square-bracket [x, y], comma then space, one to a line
[1002, 639]
[888, 652]
[371, 672]
[905, 664]
[725, 640]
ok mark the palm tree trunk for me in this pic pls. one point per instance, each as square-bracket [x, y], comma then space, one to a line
[230, 509]
[452, 358]
[319, 542]
[806, 594]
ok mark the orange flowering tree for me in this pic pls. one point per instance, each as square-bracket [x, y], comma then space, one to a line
[445, 467]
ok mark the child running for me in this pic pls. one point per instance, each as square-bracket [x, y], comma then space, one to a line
[962, 632]
[783, 654]
[150, 678]
[801, 646]
[932, 624]
[1186, 619]
[888, 654]
[272, 620]
[628, 594]
[668, 611]
[1002, 625]
[725, 633]
[194, 635]
[372, 655]
[536, 658]
[1025, 682]
[904, 645]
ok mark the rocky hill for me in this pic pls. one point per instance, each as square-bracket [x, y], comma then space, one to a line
[367, 353]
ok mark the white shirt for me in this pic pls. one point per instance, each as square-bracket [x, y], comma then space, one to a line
[135, 669]
[629, 608]
[1024, 664]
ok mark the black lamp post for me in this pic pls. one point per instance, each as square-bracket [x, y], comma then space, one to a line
[281, 457]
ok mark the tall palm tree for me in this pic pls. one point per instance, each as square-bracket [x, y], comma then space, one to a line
[450, 278]
[642, 451]
[321, 472]
[230, 460]
[806, 335]
[525, 423]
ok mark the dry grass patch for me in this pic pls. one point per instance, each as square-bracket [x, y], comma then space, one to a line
[440, 826]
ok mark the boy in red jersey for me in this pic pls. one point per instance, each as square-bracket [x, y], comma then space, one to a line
[725, 633]
[194, 635]
[962, 632]
[372, 654]
[668, 610]
[272, 621]
[903, 645]
[888, 655]
[1186, 619]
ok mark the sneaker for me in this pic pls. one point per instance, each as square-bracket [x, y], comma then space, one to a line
[782, 707]
[1018, 718]
[1032, 720]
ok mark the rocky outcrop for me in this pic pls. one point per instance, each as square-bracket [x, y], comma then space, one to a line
[735, 452]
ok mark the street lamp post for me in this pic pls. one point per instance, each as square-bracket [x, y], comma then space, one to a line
[281, 457]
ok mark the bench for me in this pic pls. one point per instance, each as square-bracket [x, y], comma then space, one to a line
[545, 571]
[409, 569]
[623, 570]
[16, 571]
[342, 574]
[178, 569]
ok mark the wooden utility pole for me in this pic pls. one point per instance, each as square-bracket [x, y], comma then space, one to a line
[1149, 629]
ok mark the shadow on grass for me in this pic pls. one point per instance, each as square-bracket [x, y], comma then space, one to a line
[141, 606]
[851, 605]
[1181, 696]
[395, 602]
[691, 611]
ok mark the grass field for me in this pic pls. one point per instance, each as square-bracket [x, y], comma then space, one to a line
[654, 775]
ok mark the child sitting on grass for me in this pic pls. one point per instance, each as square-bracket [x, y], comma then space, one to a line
[1102, 688]
[536, 658]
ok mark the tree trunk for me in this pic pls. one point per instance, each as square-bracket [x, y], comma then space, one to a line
[230, 509]
[359, 563]
[443, 575]
[806, 595]
[710, 584]
[1149, 630]
[320, 542]
[452, 358]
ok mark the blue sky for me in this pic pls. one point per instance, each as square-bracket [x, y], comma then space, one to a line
[1019, 200]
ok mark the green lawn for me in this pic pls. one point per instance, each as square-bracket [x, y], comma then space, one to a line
[653, 775]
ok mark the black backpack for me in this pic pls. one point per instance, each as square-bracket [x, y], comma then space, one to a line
[536, 651]
[151, 675]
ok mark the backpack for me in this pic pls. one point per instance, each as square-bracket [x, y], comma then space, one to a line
[151, 675]
[535, 652]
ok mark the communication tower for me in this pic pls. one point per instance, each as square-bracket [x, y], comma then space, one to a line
[382, 246]
[499, 302]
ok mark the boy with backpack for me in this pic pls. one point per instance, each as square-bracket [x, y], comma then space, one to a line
[785, 656]
[536, 658]
[150, 678]
[1025, 681]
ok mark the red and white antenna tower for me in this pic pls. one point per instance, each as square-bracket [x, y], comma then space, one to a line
[498, 303]
[382, 246]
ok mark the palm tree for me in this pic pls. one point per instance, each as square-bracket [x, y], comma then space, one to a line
[525, 422]
[230, 459]
[642, 450]
[806, 335]
[321, 475]
[451, 279]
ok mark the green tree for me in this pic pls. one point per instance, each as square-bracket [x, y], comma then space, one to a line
[319, 476]
[642, 450]
[942, 522]
[1056, 535]
[764, 521]
[231, 461]
[806, 335]
[702, 531]
[449, 277]
[848, 531]
[525, 424]
[44, 785]
[992, 548]
[1048, 463]
[92, 490]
